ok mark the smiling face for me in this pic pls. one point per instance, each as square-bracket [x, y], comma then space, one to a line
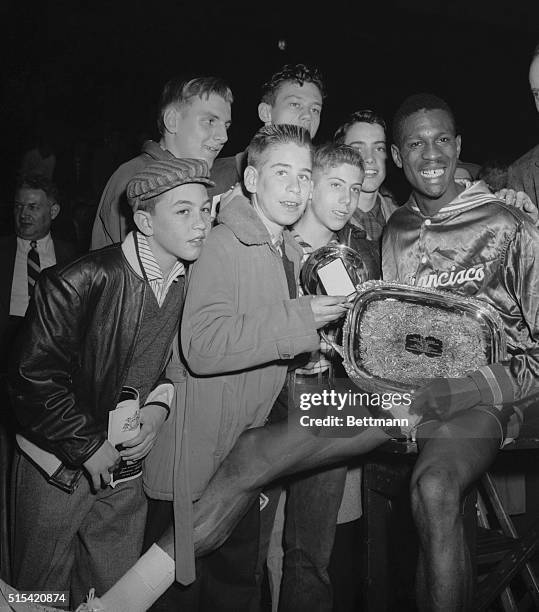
[335, 195]
[33, 213]
[294, 104]
[428, 153]
[370, 140]
[281, 184]
[178, 225]
[198, 128]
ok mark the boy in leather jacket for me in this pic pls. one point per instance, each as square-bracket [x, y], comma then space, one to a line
[95, 326]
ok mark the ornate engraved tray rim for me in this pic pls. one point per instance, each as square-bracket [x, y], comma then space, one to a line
[372, 290]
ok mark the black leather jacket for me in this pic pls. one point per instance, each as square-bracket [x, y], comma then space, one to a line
[75, 350]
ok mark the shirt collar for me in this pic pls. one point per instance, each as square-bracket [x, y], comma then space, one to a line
[150, 265]
[373, 212]
[474, 194]
[276, 239]
[42, 243]
[307, 248]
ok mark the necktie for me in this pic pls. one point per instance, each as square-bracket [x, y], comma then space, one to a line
[33, 267]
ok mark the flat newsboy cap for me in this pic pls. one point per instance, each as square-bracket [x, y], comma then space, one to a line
[161, 176]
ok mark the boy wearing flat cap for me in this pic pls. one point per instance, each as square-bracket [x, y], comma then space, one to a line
[97, 326]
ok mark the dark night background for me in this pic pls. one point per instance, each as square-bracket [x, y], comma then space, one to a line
[86, 72]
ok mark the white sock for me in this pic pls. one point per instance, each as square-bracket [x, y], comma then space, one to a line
[143, 584]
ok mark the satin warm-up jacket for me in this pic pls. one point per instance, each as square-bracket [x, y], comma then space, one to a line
[477, 246]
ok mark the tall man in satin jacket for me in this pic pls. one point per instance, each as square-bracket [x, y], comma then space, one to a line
[464, 241]
[101, 323]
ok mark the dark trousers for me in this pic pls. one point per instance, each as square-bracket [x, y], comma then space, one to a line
[10, 328]
[72, 542]
[226, 578]
[311, 513]
[345, 567]
[310, 522]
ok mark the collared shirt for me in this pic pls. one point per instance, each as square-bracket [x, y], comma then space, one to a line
[277, 242]
[318, 360]
[158, 283]
[19, 287]
[372, 221]
[276, 239]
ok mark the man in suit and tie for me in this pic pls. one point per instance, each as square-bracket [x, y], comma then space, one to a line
[30, 250]
[22, 257]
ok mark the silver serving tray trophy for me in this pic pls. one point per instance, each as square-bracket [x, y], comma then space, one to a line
[396, 337]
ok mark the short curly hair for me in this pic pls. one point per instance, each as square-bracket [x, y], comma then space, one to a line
[298, 73]
[414, 104]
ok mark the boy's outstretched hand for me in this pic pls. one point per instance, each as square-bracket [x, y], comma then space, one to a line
[328, 308]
